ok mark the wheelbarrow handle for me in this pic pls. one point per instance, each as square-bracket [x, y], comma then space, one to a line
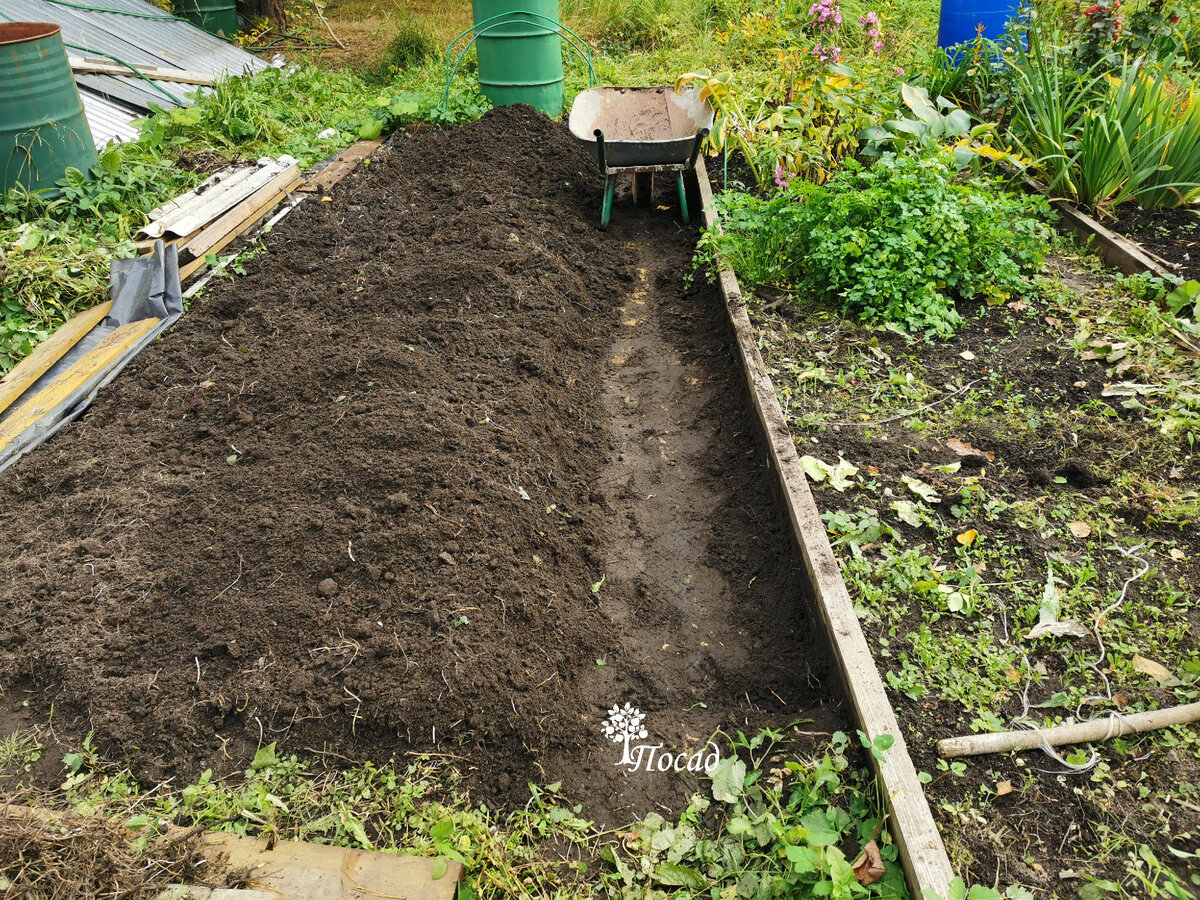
[601, 156]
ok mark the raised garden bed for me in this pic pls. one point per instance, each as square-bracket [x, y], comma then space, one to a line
[444, 472]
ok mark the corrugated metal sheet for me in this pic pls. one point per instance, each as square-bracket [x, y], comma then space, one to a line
[163, 42]
[109, 121]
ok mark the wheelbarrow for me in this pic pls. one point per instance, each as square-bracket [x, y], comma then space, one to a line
[642, 131]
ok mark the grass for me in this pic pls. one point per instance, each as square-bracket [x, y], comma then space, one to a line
[781, 813]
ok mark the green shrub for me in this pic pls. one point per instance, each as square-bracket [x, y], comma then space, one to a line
[896, 243]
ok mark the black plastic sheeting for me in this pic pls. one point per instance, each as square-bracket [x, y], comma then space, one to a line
[141, 288]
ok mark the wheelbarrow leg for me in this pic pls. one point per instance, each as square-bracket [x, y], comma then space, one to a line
[682, 198]
[610, 185]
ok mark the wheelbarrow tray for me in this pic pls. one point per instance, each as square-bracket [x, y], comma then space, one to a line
[643, 127]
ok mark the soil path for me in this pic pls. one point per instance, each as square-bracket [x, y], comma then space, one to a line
[702, 585]
[356, 503]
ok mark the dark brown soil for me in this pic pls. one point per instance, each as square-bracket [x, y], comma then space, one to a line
[1173, 235]
[448, 470]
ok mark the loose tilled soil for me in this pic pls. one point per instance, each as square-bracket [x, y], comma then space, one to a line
[1173, 235]
[448, 470]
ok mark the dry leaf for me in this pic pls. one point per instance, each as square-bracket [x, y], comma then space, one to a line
[1080, 529]
[962, 448]
[1017, 305]
[869, 867]
[968, 537]
[1157, 671]
[1121, 700]
[967, 355]
[1177, 554]
[207, 384]
[1003, 787]
[1081, 384]
[1065, 628]
[1012, 675]
[1176, 472]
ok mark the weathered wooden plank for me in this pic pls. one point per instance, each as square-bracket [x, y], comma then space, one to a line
[1115, 249]
[86, 367]
[158, 73]
[50, 351]
[342, 165]
[256, 215]
[296, 871]
[922, 852]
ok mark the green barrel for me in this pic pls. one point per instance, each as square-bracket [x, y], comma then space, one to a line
[217, 17]
[520, 62]
[42, 127]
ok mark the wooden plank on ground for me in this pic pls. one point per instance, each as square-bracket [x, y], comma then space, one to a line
[341, 166]
[922, 852]
[95, 361]
[189, 269]
[1115, 249]
[296, 871]
[210, 235]
[50, 351]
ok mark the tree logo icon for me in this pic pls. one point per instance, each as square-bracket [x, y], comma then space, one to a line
[622, 726]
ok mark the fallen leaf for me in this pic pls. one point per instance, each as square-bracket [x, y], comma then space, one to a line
[1080, 529]
[1176, 471]
[1017, 306]
[1081, 384]
[1065, 628]
[1012, 675]
[967, 355]
[207, 384]
[968, 537]
[1003, 787]
[871, 470]
[962, 448]
[1121, 701]
[1177, 554]
[1039, 868]
[921, 489]
[869, 867]
[1157, 671]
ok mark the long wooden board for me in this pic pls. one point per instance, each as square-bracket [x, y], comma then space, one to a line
[253, 218]
[84, 369]
[86, 64]
[342, 166]
[50, 351]
[295, 871]
[922, 852]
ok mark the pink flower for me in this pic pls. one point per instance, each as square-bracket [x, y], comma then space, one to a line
[899, 71]
[781, 177]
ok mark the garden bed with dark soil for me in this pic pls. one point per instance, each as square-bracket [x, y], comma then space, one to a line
[447, 471]
[1173, 235]
[1004, 481]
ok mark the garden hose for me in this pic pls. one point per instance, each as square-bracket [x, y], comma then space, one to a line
[138, 72]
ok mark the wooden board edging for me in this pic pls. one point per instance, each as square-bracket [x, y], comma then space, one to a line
[922, 853]
[1115, 249]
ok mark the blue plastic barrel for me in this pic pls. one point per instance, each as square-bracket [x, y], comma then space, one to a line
[961, 19]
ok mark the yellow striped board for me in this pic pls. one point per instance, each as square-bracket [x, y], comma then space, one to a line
[94, 362]
[50, 351]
